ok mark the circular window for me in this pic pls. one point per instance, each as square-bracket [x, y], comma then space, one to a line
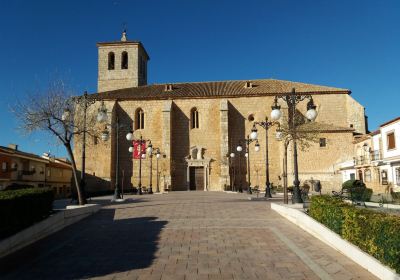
[250, 117]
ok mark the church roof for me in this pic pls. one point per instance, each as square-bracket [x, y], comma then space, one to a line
[245, 88]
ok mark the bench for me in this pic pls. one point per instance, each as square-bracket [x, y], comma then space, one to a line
[255, 190]
[352, 194]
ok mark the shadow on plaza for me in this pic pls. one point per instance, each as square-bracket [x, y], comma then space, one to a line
[96, 246]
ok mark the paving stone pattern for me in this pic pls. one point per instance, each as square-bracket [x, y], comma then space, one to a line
[182, 235]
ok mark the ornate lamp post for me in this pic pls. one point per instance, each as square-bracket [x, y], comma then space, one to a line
[158, 155]
[239, 148]
[248, 141]
[231, 156]
[153, 152]
[292, 100]
[142, 155]
[254, 135]
[102, 118]
[150, 153]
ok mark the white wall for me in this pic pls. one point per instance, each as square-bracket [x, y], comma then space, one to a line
[395, 126]
[375, 142]
[346, 174]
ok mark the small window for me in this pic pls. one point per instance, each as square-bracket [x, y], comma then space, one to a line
[139, 119]
[124, 60]
[384, 177]
[95, 140]
[391, 142]
[367, 175]
[194, 118]
[398, 176]
[14, 166]
[322, 142]
[250, 118]
[168, 87]
[352, 176]
[248, 84]
[111, 61]
[4, 166]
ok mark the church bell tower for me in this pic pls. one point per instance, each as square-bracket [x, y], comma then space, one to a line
[121, 64]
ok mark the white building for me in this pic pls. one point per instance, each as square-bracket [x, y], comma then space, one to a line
[389, 143]
[376, 159]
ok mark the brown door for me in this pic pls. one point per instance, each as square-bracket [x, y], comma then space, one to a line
[196, 178]
[360, 175]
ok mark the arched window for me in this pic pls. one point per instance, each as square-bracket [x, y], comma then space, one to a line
[194, 118]
[124, 60]
[111, 61]
[139, 119]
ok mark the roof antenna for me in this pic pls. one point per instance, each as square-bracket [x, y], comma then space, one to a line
[123, 38]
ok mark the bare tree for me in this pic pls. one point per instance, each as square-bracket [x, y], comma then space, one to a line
[52, 111]
[304, 132]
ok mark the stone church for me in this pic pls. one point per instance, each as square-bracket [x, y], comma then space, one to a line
[197, 125]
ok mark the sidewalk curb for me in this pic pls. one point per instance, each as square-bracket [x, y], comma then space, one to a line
[335, 241]
[46, 227]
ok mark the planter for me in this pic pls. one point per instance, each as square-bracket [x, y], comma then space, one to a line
[383, 205]
[334, 240]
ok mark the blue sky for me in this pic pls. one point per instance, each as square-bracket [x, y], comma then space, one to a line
[348, 44]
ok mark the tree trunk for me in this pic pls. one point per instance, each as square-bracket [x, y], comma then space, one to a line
[81, 197]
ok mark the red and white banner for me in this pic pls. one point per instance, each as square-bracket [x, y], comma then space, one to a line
[136, 149]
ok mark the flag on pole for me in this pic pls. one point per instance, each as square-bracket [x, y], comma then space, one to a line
[136, 149]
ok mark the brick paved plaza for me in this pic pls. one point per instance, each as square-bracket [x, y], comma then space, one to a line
[182, 235]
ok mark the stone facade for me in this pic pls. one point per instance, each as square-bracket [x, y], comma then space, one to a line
[116, 78]
[226, 115]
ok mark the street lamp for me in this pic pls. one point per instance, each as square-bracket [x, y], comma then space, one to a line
[150, 153]
[142, 155]
[275, 115]
[248, 141]
[239, 148]
[158, 155]
[129, 136]
[102, 117]
[233, 181]
[292, 100]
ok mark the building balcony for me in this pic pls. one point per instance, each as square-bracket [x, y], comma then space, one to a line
[22, 173]
[362, 160]
[376, 155]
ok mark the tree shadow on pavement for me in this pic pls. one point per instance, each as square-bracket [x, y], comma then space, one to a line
[95, 246]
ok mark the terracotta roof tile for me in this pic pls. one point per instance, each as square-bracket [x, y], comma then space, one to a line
[217, 89]
[20, 153]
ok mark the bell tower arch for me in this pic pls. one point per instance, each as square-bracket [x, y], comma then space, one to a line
[121, 64]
